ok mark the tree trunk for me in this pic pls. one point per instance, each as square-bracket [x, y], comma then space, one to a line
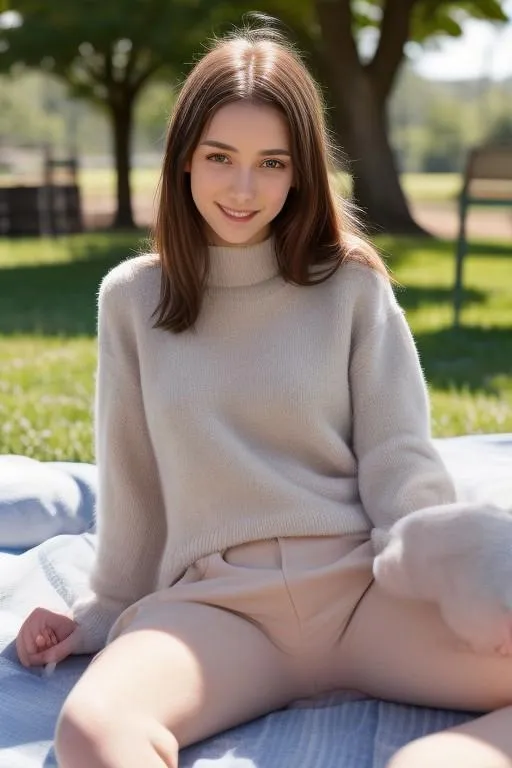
[361, 127]
[359, 122]
[122, 123]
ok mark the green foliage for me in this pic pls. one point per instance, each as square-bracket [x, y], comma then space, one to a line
[35, 107]
[98, 46]
[27, 113]
[431, 17]
[152, 113]
[501, 131]
[443, 17]
[85, 39]
[433, 124]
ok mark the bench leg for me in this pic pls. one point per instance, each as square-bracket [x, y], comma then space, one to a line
[461, 250]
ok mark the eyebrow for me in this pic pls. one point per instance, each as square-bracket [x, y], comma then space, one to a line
[220, 145]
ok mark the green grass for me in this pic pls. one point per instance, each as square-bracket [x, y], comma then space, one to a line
[48, 351]
[47, 345]
[431, 187]
[469, 370]
[98, 181]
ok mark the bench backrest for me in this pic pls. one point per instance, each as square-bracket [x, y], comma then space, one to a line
[488, 174]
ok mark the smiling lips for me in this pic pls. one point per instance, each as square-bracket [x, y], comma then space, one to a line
[233, 215]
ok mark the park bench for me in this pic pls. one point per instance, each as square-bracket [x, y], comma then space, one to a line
[41, 199]
[487, 182]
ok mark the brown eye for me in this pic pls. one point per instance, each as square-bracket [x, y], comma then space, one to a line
[277, 163]
[218, 158]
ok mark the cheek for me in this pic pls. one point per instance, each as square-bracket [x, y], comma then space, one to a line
[277, 192]
[201, 184]
[204, 180]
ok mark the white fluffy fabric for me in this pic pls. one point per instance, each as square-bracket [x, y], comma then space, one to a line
[460, 557]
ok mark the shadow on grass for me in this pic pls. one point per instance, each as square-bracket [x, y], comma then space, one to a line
[407, 248]
[490, 249]
[52, 300]
[469, 358]
[59, 299]
[414, 297]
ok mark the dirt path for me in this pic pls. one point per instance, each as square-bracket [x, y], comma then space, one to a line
[442, 219]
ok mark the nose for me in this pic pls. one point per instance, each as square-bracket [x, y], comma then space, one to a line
[243, 188]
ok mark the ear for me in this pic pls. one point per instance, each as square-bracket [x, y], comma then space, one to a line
[187, 166]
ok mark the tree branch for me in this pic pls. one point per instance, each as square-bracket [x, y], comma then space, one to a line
[109, 69]
[335, 17]
[394, 33]
[143, 76]
[130, 64]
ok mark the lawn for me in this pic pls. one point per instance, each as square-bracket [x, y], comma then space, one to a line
[431, 187]
[48, 351]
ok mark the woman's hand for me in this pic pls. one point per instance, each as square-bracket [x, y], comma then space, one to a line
[46, 637]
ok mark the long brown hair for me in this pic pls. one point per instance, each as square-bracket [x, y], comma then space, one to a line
[314, 227]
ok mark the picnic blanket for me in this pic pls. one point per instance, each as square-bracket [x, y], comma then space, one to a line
[336, 731]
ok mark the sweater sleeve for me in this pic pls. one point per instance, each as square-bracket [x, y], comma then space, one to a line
[399, 468]
[131, 528]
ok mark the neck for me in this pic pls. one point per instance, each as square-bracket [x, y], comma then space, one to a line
[242, 265]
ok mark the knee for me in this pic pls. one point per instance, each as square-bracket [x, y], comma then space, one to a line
[90, 734]
[81, 730]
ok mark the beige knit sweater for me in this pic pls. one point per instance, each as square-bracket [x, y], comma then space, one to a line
[290, 411]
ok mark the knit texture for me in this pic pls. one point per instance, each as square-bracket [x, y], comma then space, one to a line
[288, 411]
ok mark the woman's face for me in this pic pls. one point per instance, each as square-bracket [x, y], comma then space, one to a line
[241, 172]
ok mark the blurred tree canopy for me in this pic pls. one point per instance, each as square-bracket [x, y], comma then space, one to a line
[108, 50]
[35, 107]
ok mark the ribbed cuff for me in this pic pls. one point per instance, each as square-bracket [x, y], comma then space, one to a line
[95, 618]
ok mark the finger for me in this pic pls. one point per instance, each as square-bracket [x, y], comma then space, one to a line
[22, 651]
[48, 634]
[36, 650]
[25, 645]
[29, 638]
[56, 653]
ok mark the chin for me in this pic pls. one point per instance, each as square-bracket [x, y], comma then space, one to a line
[240, 238]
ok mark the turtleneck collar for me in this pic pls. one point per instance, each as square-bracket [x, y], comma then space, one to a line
[242, 265]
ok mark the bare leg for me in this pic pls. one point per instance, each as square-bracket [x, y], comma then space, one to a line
[485, 742]
[155, 690]
[401, 650]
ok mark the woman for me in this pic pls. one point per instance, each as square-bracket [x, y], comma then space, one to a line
[260, 410]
